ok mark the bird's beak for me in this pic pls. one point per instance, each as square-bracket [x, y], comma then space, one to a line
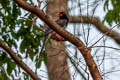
[58, 14]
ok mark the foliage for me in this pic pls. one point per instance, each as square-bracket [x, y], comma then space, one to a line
[20, 35]
[113, 14]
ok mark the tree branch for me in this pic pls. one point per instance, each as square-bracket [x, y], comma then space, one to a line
[73, 39]
[98, 24]
[18, 61]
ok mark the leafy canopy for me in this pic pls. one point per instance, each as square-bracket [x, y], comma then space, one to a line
[20, 35]
[112, 7]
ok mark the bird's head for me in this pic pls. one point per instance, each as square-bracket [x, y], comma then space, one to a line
[62, 15]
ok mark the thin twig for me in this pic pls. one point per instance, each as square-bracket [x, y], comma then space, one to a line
[103, 54]
[45, 6]
[39, 3]
[106, 47]
[110, 72]
[90, 24]
[104, 35]
[74, 64]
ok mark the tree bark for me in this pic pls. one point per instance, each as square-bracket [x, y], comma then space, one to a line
[57, 55]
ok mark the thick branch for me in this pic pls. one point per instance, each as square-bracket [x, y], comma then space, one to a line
[98, 24]
[18, 61]
[74, 40]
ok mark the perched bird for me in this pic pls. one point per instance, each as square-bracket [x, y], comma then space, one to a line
[62, 21]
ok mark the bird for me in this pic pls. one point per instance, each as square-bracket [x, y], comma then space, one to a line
[62, 21]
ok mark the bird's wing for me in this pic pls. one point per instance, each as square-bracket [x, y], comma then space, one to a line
[62, 22]
[47, 31]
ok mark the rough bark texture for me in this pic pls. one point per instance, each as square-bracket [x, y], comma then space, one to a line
[57, 64]
[57, 58]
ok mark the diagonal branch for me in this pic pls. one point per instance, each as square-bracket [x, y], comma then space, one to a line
[73, 39]
[98, 24]
[18, 61]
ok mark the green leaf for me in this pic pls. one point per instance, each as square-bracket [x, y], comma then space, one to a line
[3, 75]
[45, 58]
[106, 5]
[19, 21]
[26, 76]
[10, 66]
[39, 63]
[31, 53]
[112, 14]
